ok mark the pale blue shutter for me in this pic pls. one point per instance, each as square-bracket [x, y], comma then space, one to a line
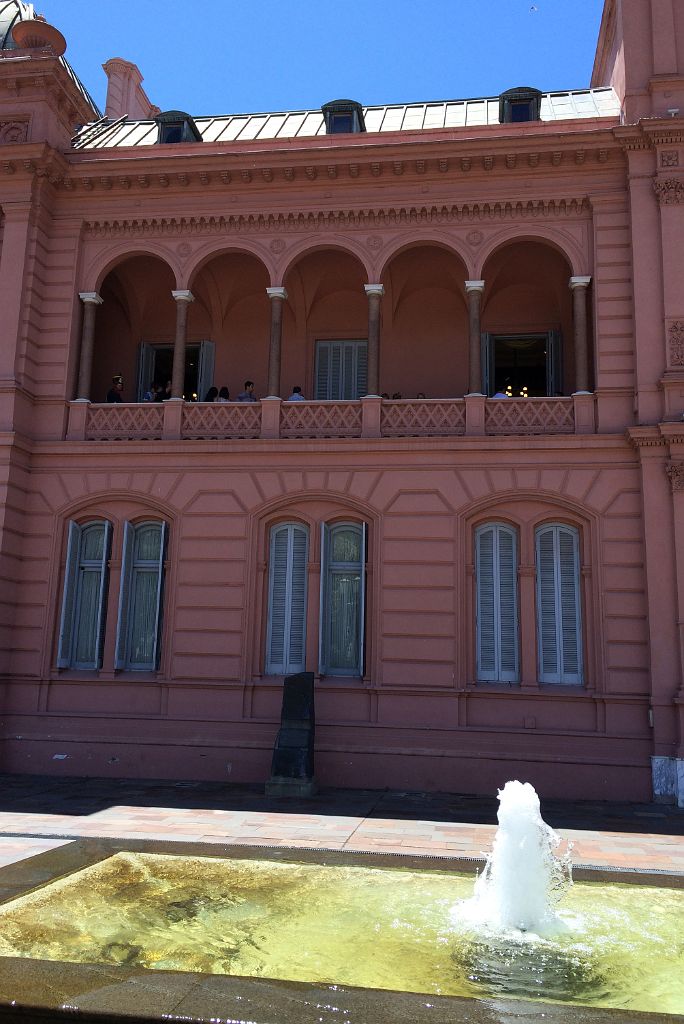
[487, 363]
[558, 605]
[66, 626]
[322, 371]
[160, 594]
[342, 611]
[205, 368]
[124, 597]
[323, 601]
[286, 631]
[102, 597]
[361, 386]
[554, 365]
[146, 358]
[497, 603]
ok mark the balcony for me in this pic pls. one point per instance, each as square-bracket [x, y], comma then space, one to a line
[370, 417]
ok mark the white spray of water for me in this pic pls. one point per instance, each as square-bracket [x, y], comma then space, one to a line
[523, 878]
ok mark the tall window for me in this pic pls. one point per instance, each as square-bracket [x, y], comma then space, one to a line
[341, 370]
[140, 596]
[286, 634]
[496, 561]
[341, 599]
[84, 596]
[522, 365]
[343, 584]
[558, 604]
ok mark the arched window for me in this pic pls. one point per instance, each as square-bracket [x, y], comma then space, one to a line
[84, 596]
[343, 593]
[287, 600]
[496, 563]
[558, 604]
[140, 597]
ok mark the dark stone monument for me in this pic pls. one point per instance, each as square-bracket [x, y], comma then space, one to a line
[292, 768]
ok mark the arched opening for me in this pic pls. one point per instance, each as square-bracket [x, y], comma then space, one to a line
[325, 326]
[228, 323]
[424, 342]
[135, 328]
[527, 322]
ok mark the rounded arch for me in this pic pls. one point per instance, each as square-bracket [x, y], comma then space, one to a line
[488, 505]
[215, 249]
[562, 241]
[100, 505]
[271, 509]
[114, 256]
[307, 247]
[440, 240]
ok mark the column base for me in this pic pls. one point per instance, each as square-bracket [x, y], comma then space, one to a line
[668, 780]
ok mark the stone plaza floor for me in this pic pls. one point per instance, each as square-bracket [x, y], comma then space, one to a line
[39, 813]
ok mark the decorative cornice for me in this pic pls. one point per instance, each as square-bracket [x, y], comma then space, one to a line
[675, 472]
[675, 342]
[646, 437]
[669, 191]
[335, 220]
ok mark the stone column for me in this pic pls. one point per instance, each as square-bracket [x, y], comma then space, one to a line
[578, 286]
[183, 300]
[375, 293]
[90, 300]
[474, 290]
[277, 297]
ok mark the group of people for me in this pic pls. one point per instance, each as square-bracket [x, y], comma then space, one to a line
[247, 395]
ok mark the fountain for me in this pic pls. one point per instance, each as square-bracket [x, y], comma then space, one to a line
[523, 878]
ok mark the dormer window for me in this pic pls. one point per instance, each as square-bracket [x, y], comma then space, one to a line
[176, 126]
[519, 105]
[343, 117]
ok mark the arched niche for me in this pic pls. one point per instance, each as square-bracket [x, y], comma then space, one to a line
[231, 311]
[527, 321]
[424, 341]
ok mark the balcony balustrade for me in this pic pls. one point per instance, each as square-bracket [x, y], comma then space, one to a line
[370, 417]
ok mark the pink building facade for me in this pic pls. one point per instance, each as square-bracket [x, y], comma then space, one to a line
[485, 587]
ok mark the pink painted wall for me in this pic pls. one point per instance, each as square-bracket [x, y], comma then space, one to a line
[523, 208]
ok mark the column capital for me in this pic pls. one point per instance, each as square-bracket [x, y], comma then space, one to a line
[183, 296]
[579, 282]
[91, 298]
[474, 286]
[277, 293]
[374, 289]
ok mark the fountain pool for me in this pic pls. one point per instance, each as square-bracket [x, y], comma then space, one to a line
[345, 923]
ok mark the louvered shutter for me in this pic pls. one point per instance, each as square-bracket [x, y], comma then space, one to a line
[323, 617]
[361, 387]
[558, 605]
[569, 601]
[102, 596]
[124, 597]
[508, 605]
[497, 603]
[286, 632]
[349, 365]
[486, 615]
[160, 594]
[362, 599]
[66, 626]
[336, 366]
[554, 364]
[205, 368]
[322, 371]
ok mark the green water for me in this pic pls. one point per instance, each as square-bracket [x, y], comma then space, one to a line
[368, 927]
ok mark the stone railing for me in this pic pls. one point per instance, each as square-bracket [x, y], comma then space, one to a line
[371, 417]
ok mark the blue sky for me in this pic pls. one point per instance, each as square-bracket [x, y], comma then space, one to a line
[232, 56]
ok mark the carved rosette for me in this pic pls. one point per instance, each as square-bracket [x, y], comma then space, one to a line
[669, 191]
[675, 343]
[675, 472]
[13, 131]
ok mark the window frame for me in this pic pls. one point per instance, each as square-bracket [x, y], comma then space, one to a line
[328, 568]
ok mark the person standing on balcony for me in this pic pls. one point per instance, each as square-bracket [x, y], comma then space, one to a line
[296, 395]
[248, 394]
[223, 395]
[114, 393]
[211, 395]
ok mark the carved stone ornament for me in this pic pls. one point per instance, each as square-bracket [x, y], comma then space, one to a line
[474, 237]
[669, 158]
[675, 471]
[184, 250]
[675, 338]
[374, 242]
[277, 246]
[669, 191]
[13, 131]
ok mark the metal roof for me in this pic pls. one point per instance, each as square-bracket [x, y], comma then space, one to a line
[555, 106]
